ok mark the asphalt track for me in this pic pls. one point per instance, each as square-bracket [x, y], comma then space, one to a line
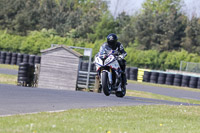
[22, 100]
[8, 71]
[179, 93]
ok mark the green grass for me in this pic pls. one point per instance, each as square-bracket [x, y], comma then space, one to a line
[160, 97]
[164, 86]
[134, 119]
[9, 66]
[8, 79]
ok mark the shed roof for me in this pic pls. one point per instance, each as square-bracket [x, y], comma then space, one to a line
[64, 47]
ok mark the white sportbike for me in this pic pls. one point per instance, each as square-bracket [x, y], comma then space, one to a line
[110, 73]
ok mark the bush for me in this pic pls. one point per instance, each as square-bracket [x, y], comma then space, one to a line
[153, 59]
[33, 43]
[40, 40]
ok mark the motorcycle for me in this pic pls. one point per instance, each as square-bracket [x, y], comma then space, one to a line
[110, 73]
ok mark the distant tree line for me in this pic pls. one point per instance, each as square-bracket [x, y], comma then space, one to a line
[40, 40]
[21, 16]
[160, 26]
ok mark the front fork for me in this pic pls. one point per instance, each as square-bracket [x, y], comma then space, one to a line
[109, 75]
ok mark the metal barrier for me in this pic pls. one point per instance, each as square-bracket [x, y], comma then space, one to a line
[190, 67]
[82, 80]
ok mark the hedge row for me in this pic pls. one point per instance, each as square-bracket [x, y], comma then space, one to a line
[39, 40]
[152, 59]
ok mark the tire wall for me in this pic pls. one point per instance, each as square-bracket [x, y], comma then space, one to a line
[140, 76]
[133, 74]
[25, 74]
[84, 66]
[156, 77]
[171, 79]
[17, 58]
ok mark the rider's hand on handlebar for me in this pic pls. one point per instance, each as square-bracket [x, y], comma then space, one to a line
[120, 57]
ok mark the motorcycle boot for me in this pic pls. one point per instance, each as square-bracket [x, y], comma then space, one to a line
[122, 64]
[124, 79]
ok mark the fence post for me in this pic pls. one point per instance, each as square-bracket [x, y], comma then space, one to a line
[181, 66]
[88, 75]
[187, 66]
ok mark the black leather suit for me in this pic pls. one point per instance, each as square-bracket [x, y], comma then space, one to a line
[122, 53]
[118, 47]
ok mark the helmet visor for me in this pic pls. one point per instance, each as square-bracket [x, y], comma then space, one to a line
[112, 43]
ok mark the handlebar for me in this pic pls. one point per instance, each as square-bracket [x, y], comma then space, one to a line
[112, 52]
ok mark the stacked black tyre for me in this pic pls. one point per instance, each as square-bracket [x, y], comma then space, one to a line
[185, 81]
[84, 66]
[3, 57]
[198, 83]
[93, 67]
[133, 73]
[31, 74]
[19, 58]
[162, 78]
[8, 58]
[32, 59]
[127, 73]
[14, 59]
[146, 76]
[25, 58]
[154, 77]
[25, 74]
[177, 80]
[37, 59]
[169, 79]
[193, 82]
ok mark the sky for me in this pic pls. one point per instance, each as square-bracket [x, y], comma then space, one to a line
[130, 6]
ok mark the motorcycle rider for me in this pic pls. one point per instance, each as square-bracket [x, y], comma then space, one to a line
[112, 43]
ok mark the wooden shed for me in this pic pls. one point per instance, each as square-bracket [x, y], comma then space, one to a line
[59, 68]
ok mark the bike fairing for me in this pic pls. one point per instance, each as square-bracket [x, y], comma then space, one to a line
[109, 71]
[109, 58]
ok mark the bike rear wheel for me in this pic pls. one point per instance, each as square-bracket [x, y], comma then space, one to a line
[121, 93]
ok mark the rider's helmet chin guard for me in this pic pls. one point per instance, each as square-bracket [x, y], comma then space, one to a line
[112, 40]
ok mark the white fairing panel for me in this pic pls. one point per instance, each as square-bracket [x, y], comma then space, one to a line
[98, 62]
[114, 65]
[109, 60]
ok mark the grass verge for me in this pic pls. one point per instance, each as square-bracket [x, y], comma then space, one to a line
[8, 79]
[134, 119]
[9, 66]
[165, 86]
[160, 97]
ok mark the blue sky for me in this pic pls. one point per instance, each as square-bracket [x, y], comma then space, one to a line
[130, 6]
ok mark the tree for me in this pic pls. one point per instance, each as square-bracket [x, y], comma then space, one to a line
[160, 28]
[174, 26]
[160, 6]
[125, 29]
[93, 12]
[144, 30]
[65, 16]
[27, 19]
[8, 11]
[191, 42]
[106, 26]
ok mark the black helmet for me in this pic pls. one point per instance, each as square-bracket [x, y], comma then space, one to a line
[112, 40]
